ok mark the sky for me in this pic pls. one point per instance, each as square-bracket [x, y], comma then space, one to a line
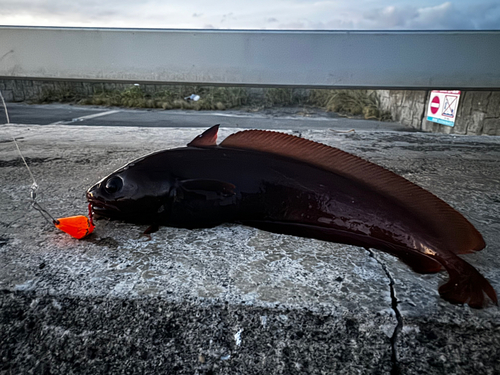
[257, 14]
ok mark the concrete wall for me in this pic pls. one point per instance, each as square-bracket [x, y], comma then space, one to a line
[258, 58]
[405, 106]
[478, 111]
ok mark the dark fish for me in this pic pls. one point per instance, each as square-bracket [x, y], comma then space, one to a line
[285, 184]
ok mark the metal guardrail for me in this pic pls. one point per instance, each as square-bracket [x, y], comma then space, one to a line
[322, 59]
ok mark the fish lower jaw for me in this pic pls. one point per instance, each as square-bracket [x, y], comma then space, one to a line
[101, 209]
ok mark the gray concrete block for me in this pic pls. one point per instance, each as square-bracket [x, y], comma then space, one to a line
[8, 95]
[10, 84]
[480, 100]
[406, 106]
[475, 123]
[18, 92]
[462, 122]
[493, 109]
[491, 126]
[429, 126]
[465, 104]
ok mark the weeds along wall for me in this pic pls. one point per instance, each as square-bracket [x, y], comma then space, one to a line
[146, 96]
[361, 103]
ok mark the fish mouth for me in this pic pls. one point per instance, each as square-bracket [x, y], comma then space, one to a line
[100, 211]
[100, 208]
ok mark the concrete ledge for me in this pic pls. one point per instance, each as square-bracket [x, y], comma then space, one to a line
[149, 335]
[182, 301]
[323, 59]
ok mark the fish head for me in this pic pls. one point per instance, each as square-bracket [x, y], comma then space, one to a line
[133, 193]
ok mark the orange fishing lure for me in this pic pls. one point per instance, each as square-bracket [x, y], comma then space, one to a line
[76, 226]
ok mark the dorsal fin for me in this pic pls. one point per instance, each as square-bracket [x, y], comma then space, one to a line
[453, 229]
[207, 138]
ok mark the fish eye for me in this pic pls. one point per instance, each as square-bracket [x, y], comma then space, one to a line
[113, 185]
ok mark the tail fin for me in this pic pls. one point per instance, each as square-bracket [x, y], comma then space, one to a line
[466, 285]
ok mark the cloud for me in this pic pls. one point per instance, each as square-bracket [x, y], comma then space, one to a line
[445, 16]
[257, 14]
[485, 15]
[391, 17]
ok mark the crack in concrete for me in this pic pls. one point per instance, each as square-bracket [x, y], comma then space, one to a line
[394, 305]
[6, 53]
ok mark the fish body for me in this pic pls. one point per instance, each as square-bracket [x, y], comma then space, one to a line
[285, 184]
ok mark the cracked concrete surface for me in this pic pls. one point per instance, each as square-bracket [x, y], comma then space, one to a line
[116, 302]
[394, 305]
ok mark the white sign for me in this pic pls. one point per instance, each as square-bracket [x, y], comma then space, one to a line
[443, 107]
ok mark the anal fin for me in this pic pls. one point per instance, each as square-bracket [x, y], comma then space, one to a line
[418, 262]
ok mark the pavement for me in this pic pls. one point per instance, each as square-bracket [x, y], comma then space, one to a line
[229, 299]
[253, 118]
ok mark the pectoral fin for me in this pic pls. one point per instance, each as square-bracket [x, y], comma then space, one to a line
[204, 203]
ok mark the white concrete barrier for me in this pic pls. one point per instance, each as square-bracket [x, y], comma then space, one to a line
[328, 59]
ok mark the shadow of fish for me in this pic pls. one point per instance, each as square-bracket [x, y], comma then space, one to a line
[285, 184]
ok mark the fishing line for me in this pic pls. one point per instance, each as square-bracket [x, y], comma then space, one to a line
[76, 226]
[34, 186]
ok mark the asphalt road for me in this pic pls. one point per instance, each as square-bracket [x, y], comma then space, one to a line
[229, 299]
[278, 118]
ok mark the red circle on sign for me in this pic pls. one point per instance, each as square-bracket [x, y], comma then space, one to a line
[435, 104]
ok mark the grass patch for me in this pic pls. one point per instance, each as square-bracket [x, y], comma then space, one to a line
[282, 97]
[211, 98]
[350, 102]
[347, 102]
[61, 95]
